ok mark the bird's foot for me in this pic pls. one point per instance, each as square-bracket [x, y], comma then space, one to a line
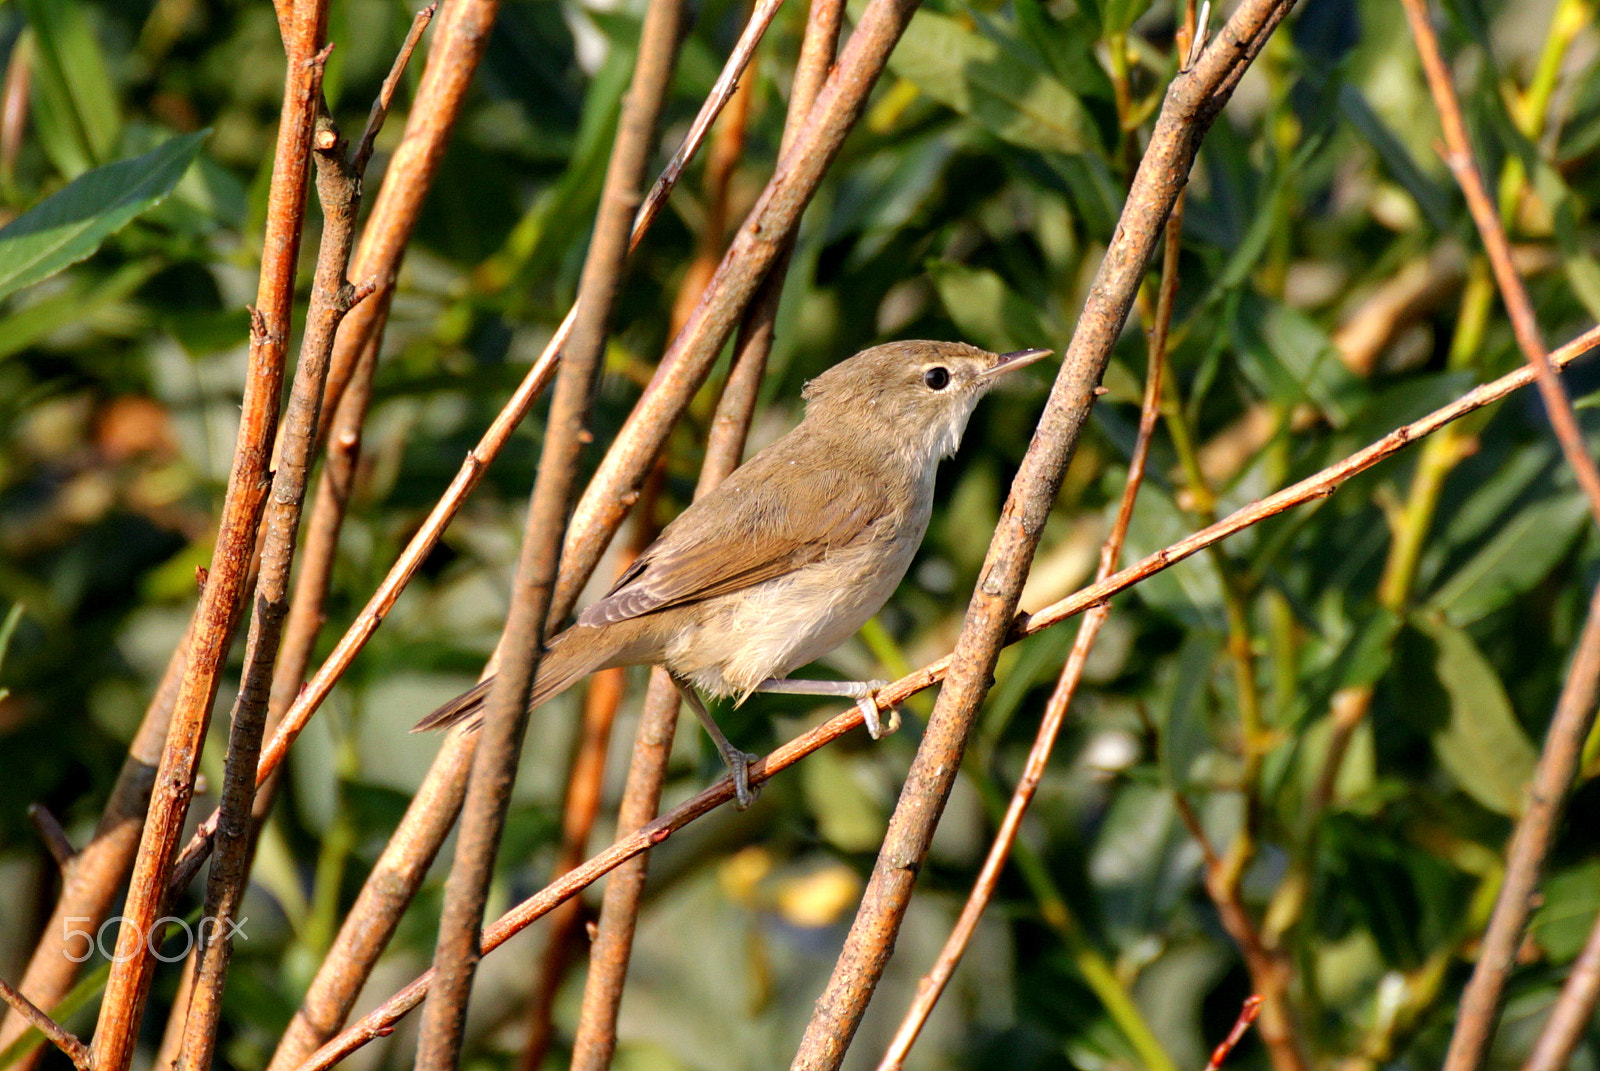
[867, 703]
[738, 763]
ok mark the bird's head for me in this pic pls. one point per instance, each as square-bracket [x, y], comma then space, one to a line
[915, 396]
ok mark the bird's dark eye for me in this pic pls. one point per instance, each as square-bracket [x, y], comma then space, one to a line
[936, 378]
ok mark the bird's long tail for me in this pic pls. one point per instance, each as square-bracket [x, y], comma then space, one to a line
[566, 658]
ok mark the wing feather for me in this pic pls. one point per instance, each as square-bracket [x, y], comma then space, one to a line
[744, 532]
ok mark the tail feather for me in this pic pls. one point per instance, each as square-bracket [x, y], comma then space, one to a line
[564, 662]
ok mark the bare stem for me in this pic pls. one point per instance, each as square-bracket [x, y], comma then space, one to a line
[134, 962]
[1458, 155]
[1530, 846]
[506, 709]
[595, 1039]
[59, 1036]
[1193, 101]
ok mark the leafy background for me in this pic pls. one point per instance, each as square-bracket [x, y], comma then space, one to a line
[1441, 593]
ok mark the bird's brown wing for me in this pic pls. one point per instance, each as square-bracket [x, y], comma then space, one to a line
[746, 531]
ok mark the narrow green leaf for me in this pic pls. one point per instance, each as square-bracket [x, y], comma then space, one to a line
[1293, 359]
[23, 327]
[1522, 552]
[1185, 739]
[1430, 196]
[72, 84]
[1481, 745]
[70, 224]
[1002, 89]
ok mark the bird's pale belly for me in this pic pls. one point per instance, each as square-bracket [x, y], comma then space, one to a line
[768, 630]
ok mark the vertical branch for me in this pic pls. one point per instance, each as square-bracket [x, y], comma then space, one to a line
[596, 1036]
[1192, 103]
[383, 899]
[1530, 845]
[1573, 1011]
[217, 614]
[766, 230]
[933, 984]
[331, 297]
[506, 711]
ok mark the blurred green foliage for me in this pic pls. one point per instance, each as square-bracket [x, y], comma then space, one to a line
[1440, 594]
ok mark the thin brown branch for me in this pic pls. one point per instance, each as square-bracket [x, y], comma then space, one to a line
[314, 571]
[331, 297]
[506, 710]
[755, 248]
[722, 91]
[55, 838]
[391, 82]
[1573, 1011]
[1247, 1015]
[458, 42]
[1193, 101]
[133, 965]
[1320, 484]
[933, 983]
[1530, 846]
[91, 881]
[381, 1020]
[1458, 155]
[58, 1035]
[383, 899]
[595, 1039]
[584, 783]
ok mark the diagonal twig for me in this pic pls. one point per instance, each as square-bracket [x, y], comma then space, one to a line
[1193, 101]
[1458, 156]
[58, 1035]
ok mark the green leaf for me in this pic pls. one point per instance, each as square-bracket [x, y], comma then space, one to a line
[1522, 552]
[987, 311]
[1431, 198]
[1570, 898]
[75, 103]
[70, 224]
[1481, 744]
[1184, 740]
[1000, 88]
[23, 327]
[1293, 360]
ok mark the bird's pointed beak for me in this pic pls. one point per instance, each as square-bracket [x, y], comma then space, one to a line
[1010, 362]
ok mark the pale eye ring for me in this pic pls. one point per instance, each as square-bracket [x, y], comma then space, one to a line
[936, 378]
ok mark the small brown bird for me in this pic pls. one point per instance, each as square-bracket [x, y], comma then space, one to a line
[790, 555]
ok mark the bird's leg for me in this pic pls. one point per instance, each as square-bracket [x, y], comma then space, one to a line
[738, 762]
[865, 693]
